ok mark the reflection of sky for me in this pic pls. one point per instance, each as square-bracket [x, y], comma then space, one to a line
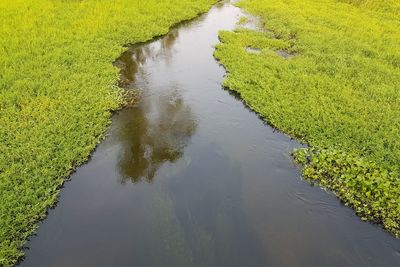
[195, 204]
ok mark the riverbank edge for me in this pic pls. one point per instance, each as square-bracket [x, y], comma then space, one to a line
[372, 191]
[15, 259]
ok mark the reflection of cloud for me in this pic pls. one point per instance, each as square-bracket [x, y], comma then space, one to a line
[153, 133]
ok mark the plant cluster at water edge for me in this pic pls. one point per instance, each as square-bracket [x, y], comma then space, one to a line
[328, 73]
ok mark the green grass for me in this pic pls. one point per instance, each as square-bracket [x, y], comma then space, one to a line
[57, 91]
[338, 90]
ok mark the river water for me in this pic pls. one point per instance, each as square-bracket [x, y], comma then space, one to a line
[190, 177]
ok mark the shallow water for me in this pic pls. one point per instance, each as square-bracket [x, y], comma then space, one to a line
[191, 177]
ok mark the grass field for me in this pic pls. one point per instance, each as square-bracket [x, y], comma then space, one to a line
[57, 91]
[328, 74]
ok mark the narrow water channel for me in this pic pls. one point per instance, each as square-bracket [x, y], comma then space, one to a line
[190, 177]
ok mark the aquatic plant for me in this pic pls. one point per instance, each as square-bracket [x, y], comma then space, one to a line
[328, 74]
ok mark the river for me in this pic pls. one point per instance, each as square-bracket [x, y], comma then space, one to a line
[190, 176]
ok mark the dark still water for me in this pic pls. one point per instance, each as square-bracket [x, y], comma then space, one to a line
[190, 177]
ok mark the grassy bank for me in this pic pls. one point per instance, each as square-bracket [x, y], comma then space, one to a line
[328, 74]
[57, 90]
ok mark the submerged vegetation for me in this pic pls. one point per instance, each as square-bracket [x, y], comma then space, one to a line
[57, 90]
[328, 73]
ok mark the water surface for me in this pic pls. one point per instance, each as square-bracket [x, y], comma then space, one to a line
[190, 177]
